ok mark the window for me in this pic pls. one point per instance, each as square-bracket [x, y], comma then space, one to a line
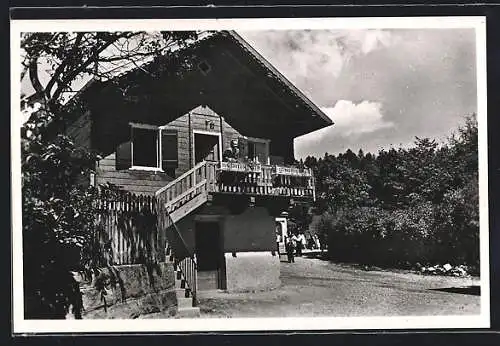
[150, 148]
[258, 149]
[145, 145]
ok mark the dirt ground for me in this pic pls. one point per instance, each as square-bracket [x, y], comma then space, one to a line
[314, 287]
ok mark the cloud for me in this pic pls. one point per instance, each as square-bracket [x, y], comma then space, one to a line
[356, 125]
[426, 81]
[351, 118]
[424, 78]
[312, 58]
[374, 39]
[361, 42]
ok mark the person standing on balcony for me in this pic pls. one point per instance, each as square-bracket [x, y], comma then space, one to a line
[233, 153]
[230, 179]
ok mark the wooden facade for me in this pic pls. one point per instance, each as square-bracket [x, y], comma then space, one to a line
[199, 121]
[165, 137]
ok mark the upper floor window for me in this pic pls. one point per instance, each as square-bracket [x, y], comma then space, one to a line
[258, 150]
[146, 146]
[149, 148]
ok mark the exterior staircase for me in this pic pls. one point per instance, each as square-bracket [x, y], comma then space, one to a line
[191, 190]
[186, 306]
[174, 201]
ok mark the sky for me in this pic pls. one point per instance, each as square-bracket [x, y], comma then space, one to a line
[381, 88]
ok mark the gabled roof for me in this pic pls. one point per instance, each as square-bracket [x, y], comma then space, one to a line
[277, 75]
[241, 86]
[267, 69]
[272, 72]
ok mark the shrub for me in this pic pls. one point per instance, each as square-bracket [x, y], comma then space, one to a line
[57, 218]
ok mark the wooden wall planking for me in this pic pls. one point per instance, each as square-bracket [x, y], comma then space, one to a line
[147, 182]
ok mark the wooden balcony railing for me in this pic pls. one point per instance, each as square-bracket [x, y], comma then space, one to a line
[258, 179]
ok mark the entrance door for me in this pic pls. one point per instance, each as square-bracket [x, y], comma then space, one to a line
[206, 147]
[210, 256]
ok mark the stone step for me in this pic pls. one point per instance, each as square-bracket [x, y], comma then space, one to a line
[190, 312]
[184, 302]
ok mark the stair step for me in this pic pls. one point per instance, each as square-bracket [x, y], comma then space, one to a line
[179, 284]
[190, 312]
[180, 292]
[184, 302]
[188, 207]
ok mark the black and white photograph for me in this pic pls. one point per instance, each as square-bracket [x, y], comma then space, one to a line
[250, 174]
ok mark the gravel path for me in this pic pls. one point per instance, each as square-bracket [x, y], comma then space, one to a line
[313, 287]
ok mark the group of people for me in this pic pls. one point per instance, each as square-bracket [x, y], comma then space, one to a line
[294, 243]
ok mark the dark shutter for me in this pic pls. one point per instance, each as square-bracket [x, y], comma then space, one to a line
[169, 150]
[123, 158]
[243, 147]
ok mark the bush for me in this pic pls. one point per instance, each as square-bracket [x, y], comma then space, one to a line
[404, 207]
[57, 220]
[457, 226]
[403, 237]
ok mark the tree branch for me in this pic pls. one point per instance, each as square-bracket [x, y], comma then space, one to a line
[33, 74]
[59, 70]
[71, 76]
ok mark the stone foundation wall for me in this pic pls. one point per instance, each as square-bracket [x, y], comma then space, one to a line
[131, 290]
[252, 271]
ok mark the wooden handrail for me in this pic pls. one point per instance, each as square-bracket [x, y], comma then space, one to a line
[169, 196]
[187, 192]
[186, 248]
[188, 270]
[180, 177]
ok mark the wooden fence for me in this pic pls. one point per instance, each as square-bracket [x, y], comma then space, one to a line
[126, 229]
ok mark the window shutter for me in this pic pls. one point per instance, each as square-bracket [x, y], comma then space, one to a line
[169, 150]
[123, 158]
[243, 147]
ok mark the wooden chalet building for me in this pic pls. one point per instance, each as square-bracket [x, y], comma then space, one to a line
[169, 143]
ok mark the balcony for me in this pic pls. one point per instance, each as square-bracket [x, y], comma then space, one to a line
[252, 178]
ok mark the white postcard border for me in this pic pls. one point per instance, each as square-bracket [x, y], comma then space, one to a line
[20, 325]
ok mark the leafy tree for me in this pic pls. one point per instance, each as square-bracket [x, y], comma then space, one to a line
[57, 223]
[345, 186]
[300, 216]
[74, 57]
[57, 206]
[404, 205]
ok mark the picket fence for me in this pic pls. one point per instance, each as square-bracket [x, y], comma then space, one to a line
[126, 229]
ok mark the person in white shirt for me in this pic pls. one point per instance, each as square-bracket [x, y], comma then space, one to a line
[316, 241]
[302, 240]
